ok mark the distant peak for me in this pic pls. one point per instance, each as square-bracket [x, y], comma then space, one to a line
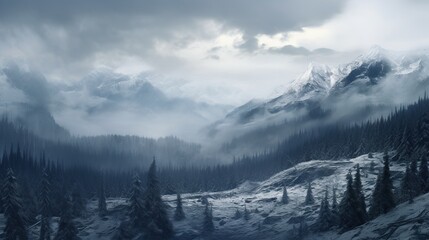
[375, 52]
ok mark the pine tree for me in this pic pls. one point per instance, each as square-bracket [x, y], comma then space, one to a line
[309, 199]
[406, 188]
[102, 206]
[334, 211]
[382, 197]
[208, 225]
[406, 148]
[285, 197]
[424, 175]
[78, 204]
[422, 143]
[357, 185]
[155, 207]
[179, 214]
[349, 207]
[324, 222]
[414, 179]
[66, 228]
[45, 208]
[15, 222]
[137, 213]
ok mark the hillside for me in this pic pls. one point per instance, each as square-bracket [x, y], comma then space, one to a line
[269, 219]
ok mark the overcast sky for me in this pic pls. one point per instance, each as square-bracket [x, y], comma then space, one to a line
[220, 51]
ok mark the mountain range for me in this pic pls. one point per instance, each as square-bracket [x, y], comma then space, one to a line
[372, 85]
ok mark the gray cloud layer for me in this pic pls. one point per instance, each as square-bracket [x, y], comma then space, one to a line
[73, 32]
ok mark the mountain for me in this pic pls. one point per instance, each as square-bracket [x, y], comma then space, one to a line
[373, 84]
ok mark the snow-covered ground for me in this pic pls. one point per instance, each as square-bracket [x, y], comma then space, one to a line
[269, 219]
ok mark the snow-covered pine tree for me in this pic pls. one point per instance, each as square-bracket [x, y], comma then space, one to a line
[309, 199]
[137, 213]
[14, 225]
[155, 207]
[357, 185]
[285, 197]
[45, 207]
[348, 209]
[324, 221]
[102, 206]
[382, 198]
[424, 174]
[208, 225]
[66, 228]
[179, 214]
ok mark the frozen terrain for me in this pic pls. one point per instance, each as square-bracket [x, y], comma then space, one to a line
[269, 218]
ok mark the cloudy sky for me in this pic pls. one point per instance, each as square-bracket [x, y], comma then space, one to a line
[214, 51]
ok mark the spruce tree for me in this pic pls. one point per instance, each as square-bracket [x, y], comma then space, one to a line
[66, 227]
[349, 207]
[155, 207]
[357, 185]
[309, 199]
[406, 148]
[334, 211]
[78, 203]
[208, 225]
[406, 188]
[285, 197]
[382, 197]
[324, 222]
[424, 174]
[237, 214]
[137, 212]
[45, 208]
[422, 143]
[179, 214]
[102, 206]
[414, 178]
[15, 221]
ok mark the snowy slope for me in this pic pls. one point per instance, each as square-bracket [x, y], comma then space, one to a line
[269, 219]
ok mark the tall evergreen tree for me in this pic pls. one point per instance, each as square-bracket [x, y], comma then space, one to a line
[285, 197]
[382, 197]
[45, 207]
[424, 174]
[137, 212]
[324, 222]
[406, 148]
[15, 222]
[208, 225]
[406, 188]
[357, 185]
[422, 143]
[334, 211]
[246, 213]
[179, 214]
[78, 203]
[66, 228]
[309, 199]
[102, 206]
[155, 207]
[349, 207]
[414, 178]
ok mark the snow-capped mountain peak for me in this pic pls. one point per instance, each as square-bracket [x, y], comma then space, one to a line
[316, 75]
